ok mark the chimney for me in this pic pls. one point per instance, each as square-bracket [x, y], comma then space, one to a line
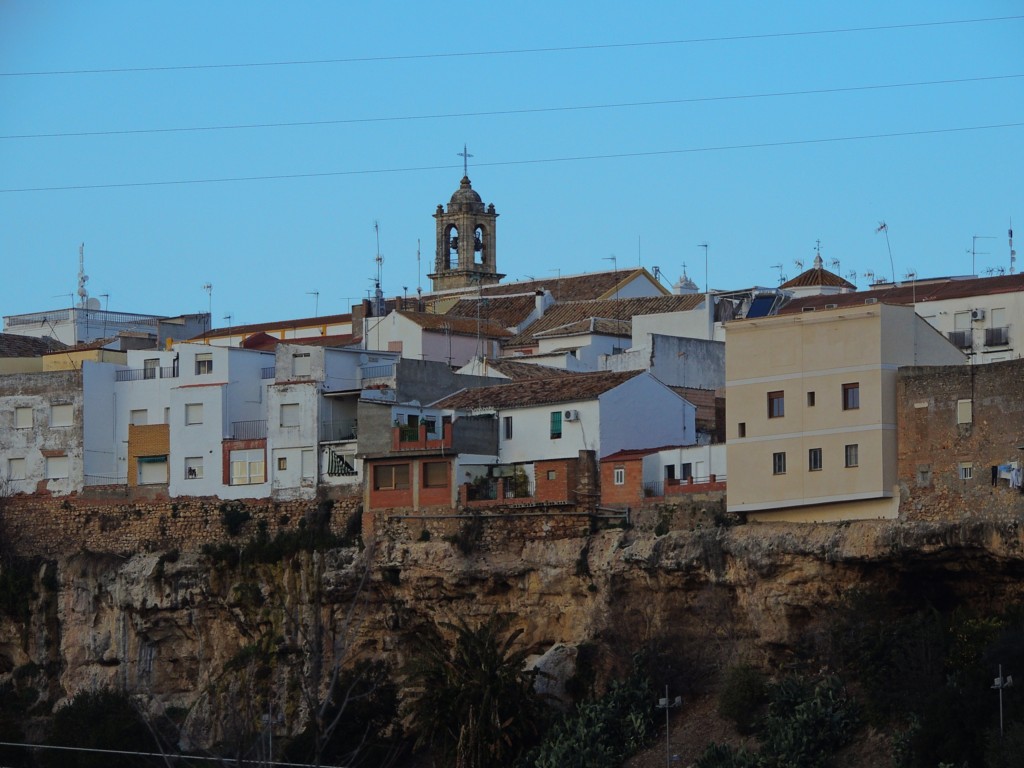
[542, 300]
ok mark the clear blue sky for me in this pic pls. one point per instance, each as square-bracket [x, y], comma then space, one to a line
[658, 179]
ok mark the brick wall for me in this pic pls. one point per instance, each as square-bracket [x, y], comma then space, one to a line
[631, 491]
[933, 446]
[146, 440]
[52, 527]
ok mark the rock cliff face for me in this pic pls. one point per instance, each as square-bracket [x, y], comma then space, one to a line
[200, 641]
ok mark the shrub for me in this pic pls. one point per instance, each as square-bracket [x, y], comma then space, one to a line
[743, 696]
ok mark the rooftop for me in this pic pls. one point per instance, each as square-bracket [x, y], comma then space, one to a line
[529, 392]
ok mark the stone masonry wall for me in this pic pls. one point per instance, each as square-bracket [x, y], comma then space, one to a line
[933, 445]
[56, 526]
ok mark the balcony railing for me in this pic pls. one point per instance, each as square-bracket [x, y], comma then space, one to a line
[249, 430]
[269, 372]
[962, 339]
[997, 337]
[385, 371]
[138, 374]
[492, 489]
[342, 429]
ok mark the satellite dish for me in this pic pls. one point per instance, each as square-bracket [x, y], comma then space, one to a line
[92, 303]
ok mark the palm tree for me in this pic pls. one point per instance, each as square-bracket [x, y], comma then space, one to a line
[477, 705]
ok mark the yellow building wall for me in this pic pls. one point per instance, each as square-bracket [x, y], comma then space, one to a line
[146, 440]
[72, 360]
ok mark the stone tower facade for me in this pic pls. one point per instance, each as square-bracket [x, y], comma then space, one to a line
[466, 243]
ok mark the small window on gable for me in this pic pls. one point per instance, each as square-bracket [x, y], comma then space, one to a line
[23, 418]
[193, 413]
[204, 363]
[851, 396]
[62, 415]
[779, 463]
[301, 364]
[964, 411]
[290, 413]
[556, 425]
[620, 475]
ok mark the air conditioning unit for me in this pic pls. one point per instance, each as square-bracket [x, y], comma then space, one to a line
[571, 415]
[977, 314]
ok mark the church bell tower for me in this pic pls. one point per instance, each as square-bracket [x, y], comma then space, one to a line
[465, 255]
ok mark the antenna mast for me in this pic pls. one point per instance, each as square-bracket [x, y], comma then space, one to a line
[1013, 253]
[83, 294]
[379, 259]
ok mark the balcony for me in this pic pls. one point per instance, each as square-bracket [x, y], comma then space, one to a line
[139, 374]
[249, 430]
[336, 430]
[500, 488]
[997, 337]
[962, 339]
[376, 373]
[268, 373]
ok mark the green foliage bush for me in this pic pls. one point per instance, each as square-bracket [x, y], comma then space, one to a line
[743, 695]
[601, 733]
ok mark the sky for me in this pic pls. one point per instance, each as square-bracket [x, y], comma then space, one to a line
[254, 147]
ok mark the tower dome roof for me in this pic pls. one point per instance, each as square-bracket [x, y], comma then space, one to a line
[465, 198]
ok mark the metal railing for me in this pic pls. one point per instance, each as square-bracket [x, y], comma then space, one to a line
[519, 488]
[138, 374]
[342, 429]
[407, 434]
[385, 371]
[268, 372]
[962, 339]
[249, 430]
[997, 337]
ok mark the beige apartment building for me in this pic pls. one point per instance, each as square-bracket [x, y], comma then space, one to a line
[811, 413]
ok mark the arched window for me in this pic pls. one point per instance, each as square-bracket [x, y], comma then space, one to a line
[453, 246]
[478, 244]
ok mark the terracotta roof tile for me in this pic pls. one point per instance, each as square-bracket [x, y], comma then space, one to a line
[517, 370]
[525, 393]
[14, 345]
[506, 311]
[561, 315]
[463, 326]
[817, 276]
[589, 285]
[910, 293]
[638, 453]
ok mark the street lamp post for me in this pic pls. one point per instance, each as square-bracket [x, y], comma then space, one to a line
[666, 704]
[998, 684]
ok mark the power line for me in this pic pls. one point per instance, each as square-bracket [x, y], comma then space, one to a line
[510, 51]
[500, 112]
[538, 161]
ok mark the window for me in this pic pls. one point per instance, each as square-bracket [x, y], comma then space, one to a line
[741, 429]
[435, 474]
[138, 417]
[204, 363]
[301, 364]
[687, 472]
[966, 470]
[15, 469]
[556, 425]
[150, 368]
[308, 459]
[620, 475]
[779, 463]
[924, 476]
[282, 463]
[851, 396]
[670, 471]
[247, 467]
[964, 411]
[776, 405]
[194, 468]
[23, 418]
[507, 421]
[167, 415]
[810, 399]
[814, 460]
[193, 413]
[290, 413]
[152, 470]
[391, 477]
[62, 415]
[552, 474]
[57, 467]
[852, 459]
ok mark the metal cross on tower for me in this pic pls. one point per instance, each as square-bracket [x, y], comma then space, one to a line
[465, 160]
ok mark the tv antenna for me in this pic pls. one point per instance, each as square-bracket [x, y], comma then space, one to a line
[316, 304]
[883, 227]
[799, 263]
[870, 276]
[782, 277]
[379, 260]
[974, 248]
[229, 317]
[834, 264]
[419, 281]
[703, 245]
[1013, 253]
[208, 287]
